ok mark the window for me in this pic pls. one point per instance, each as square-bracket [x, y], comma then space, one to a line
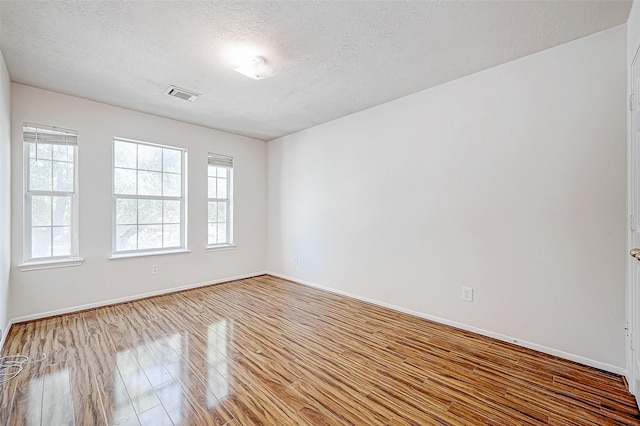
[219, 205]
[51, 192]
[148, 197]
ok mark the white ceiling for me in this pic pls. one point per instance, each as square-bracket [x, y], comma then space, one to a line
[332, 58]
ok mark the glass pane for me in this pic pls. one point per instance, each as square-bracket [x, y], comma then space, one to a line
[62, 241]
[44, 151]
[171, 212]
[222, 172]
[32, 150]
[63, 153]
[212, 187]
[124, 154]
[222, 212]
[41, 211]
[211, 171]
[40, 175]
[171, 236]
[124, 181]
[149, 236]
[149, 183]
[222, 233]
[171, 184]
[213, 211]
[172, 160]
[149, 158]
[62, 176]
[61, 211]
[126, 237]
[213, 233]
[41, 242]
[149, 211]
[222, 188]
[126, 212]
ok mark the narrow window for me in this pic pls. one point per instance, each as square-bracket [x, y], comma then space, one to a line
[51, 193]
[220, 176]
[149, 201]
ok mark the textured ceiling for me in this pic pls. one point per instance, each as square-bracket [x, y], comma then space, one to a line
[332, 58]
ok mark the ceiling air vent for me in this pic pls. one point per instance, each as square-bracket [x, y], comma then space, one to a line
[178, 92]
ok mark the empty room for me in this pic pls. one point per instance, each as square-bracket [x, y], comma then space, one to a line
[319, 212]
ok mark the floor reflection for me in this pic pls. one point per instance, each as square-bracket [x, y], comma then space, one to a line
[50, 394]
[219, 335]
[142, 382]
[173, 400]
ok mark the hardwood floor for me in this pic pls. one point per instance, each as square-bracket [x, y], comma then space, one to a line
[268, 351]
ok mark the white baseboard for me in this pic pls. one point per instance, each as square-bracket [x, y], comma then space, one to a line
[123, 299]
[569, 356]
[523, 343]
[5, 332]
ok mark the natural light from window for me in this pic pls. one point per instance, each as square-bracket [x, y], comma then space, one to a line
[149, 197]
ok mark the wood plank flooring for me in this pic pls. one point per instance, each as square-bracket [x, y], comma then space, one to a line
[265, 351]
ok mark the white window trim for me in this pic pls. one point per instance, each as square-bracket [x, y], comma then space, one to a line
[183, 248]
[50, 264]
[226, 161]
[221, 247]
[50, 261]
[148, 253]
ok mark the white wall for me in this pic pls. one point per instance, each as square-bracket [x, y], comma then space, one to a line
[633, 41]
[511, 181]
[5, 192]
[633, 31]
[101, 279]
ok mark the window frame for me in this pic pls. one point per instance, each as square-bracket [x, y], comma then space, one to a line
[73, 258]
[182, 247]
[221, 161]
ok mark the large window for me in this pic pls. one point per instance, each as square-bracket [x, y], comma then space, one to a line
[220, 176]
[50, 214]
[148, 197]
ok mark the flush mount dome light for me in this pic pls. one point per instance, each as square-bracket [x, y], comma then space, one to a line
[256, 69]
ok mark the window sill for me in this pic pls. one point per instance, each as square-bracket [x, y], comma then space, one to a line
[221, 248]
[147, 253]
[51, 264]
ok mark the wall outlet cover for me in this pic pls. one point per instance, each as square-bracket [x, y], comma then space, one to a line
[467, 294]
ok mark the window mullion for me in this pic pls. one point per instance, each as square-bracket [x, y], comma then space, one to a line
[162, 171]
[51, 224]
[137, 218]
[52, 193]
[148, 197]
[227, 222]
[52, 186]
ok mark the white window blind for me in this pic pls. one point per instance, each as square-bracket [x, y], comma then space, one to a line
[220, 160]
[38, 133]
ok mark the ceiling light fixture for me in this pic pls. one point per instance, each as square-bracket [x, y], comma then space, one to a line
[256, 69]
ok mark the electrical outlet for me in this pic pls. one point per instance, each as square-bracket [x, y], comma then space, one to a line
[296, 261]
[155, 269]
[467, 294]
